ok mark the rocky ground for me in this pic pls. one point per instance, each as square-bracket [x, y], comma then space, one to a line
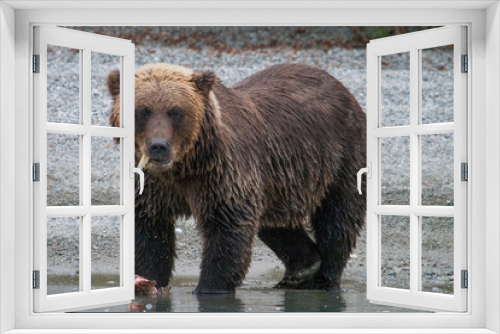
[234, 53]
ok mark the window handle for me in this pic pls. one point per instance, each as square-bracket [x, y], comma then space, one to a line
[368, 171]
[141, 176]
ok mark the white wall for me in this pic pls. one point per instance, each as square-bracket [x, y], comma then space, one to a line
[7, 159]
[492, 164]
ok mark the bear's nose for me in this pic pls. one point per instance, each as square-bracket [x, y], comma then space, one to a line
[158, 148]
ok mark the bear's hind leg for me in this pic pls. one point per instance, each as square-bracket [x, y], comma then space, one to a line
[336, 223]
[295, 249]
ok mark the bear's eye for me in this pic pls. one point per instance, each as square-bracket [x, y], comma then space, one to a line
[141, 116]
[144, 111]
[175, 113]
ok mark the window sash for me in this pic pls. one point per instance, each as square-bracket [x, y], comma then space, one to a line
[87, 43]
[413, 43]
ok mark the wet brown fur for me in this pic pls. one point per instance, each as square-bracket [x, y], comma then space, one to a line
[276, 151]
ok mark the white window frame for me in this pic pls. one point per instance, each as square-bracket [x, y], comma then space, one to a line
[86, 43]
[483, 20]
[413, 44]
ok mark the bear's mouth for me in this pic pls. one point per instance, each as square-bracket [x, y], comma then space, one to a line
[152, 162]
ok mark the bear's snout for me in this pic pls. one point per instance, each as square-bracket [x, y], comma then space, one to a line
[159, 149]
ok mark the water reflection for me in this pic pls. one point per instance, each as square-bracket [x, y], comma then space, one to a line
[220, 303]
[262, 300]
[313, 301]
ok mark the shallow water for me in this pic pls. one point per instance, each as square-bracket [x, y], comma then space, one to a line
[250, 298]
[263, 300]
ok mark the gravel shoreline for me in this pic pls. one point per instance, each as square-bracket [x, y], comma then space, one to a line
[244, 58]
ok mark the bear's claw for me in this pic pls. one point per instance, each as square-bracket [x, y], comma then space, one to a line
[299, 278]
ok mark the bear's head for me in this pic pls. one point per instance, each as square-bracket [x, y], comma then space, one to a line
[170, 103]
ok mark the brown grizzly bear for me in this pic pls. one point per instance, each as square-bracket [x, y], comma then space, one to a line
[276, 151]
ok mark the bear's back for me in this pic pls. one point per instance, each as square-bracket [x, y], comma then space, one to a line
[301, 124]
[294, 102]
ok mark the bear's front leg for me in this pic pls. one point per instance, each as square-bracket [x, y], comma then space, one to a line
[154, 233]
[155, 248]
[227, 236]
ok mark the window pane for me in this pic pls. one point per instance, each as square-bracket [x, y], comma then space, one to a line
[437, 254]
[102, 100]
[395, 170]
[437, 169]
[63, 170]
[63, 255]
[395, 251]
[395, 90]
[105, 251]
[105, 171]
[437, 85]
[63, 85]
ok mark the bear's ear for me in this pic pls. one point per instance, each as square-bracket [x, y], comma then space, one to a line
[204, 81]
[114, 118]
[113, 81]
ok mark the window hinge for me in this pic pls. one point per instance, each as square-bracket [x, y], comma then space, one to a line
[464, 172]
[36, 172]
[36, 63]
[465, 64]
[465, 279]
[36, 279]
